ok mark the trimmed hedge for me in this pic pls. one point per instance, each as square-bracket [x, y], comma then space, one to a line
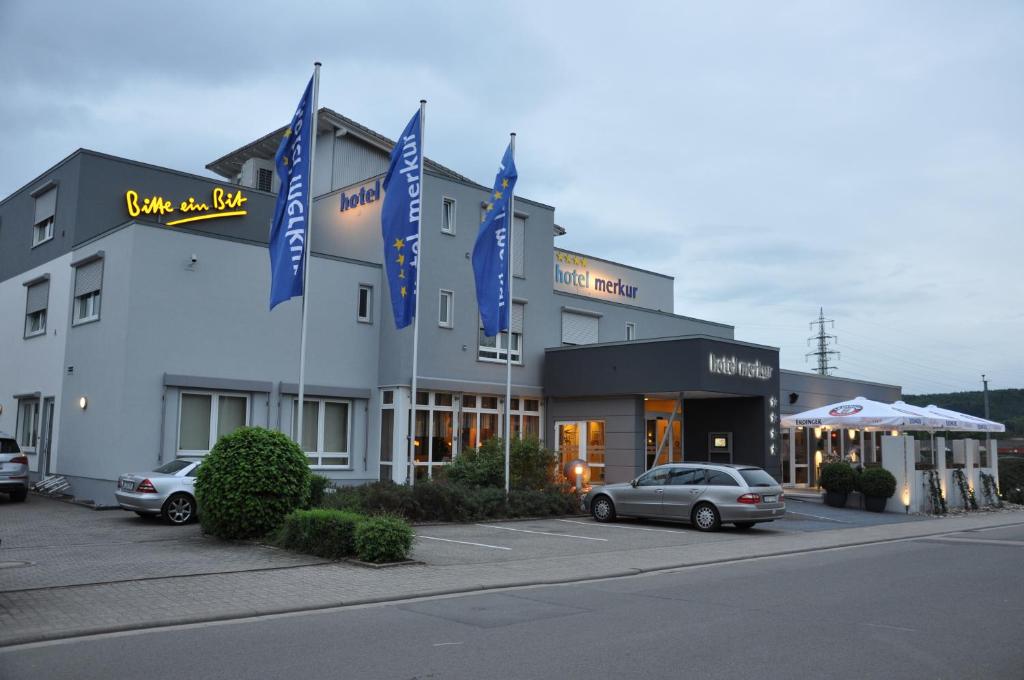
[321, 532]
[837, 477]
[1011, 478]
[531, 466]
[318, 486]
[383, 539]
[249, 482]
[878, 483]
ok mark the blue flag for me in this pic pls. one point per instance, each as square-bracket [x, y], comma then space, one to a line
[491, 266]
[400, 221]
[290, 227]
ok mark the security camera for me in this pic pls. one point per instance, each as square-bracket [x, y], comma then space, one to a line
[195, 258]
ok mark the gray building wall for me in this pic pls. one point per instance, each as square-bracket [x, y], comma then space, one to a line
[813, 390]
[624, 430]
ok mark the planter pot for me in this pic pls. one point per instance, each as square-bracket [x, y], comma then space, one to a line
[875, 503]
[835, 499]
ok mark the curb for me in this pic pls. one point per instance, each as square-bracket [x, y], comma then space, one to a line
[83, 632]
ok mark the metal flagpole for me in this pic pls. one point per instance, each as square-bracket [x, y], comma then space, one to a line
[511, 219]
[416, 307]
[306, 253]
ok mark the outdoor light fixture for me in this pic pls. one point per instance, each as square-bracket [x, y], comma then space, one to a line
[853, 434]
[578, 469]
[895, 433]
[906, 498]
[83, 402]
[817, 432]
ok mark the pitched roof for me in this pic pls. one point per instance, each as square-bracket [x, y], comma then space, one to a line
[230, 164]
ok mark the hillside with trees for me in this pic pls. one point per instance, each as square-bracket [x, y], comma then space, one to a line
[1005, 406]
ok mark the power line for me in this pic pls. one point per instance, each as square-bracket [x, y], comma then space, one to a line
[824, 341]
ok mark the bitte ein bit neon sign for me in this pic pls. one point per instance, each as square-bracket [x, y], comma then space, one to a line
[223, 204]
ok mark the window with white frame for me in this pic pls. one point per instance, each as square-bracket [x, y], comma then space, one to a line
[480, 420]
[88, 287]
[364, 307]
[27, 428]
[519, 246]
[434, 438]
[45, 215]
[204, 417]
[525, 418]
[387, 434]
[446, 309]
[326, 424]
[630, 330]
[36, 301]
[448, 215]
[496, 348]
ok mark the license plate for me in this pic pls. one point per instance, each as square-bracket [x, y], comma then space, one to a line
[769, 499]
[127, 486]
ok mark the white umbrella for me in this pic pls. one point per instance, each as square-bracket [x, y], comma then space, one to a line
[967, 423]
[861, 413]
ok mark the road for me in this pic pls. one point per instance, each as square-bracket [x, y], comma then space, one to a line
[940, 607]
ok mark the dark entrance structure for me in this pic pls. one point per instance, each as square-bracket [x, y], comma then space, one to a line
[626, 406]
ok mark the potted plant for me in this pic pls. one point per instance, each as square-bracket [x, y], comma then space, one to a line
[878, 486]
[837, 479]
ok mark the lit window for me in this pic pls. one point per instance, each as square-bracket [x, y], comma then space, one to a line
[325, 431]
[448, 216]
[207, 416]
[446, 309]
[365, 305]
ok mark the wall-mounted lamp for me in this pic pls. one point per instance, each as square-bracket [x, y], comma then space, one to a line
[895, 433]
[853, 434]
[83, 402]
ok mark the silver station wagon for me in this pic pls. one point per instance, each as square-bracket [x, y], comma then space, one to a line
[704, 494]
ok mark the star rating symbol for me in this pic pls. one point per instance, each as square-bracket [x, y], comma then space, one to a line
[400, 259]
[772, 402]
[504, 184]
[771, 417]
[398, 244]
[403, 291]
[497, 195]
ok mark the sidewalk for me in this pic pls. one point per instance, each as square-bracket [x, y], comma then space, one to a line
[67, 611]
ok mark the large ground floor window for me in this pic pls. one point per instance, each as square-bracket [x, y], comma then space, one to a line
[582, 440]
[204, 417]
[326, 424]
[27, 428]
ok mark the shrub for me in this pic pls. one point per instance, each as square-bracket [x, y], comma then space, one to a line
[326, 533]
[249, 482]
[878, 483]
[1011, 478]
[318, 486]
[837, 477]
[383, 539]
[533, 503]
[531, 466]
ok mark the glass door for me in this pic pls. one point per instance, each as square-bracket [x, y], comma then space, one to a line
[46, 437]
[581, 440]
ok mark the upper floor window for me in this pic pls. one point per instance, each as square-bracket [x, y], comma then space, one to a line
[630, 330]
[45, 215]
[578, 328]
[36, 302]
[88, 285]
[364, 311]
[497, 348]
[445, 309]
[519, 246]
[264, 179]
[448, 215]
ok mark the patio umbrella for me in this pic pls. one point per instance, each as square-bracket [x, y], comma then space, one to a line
[966, 423]
[866, 414]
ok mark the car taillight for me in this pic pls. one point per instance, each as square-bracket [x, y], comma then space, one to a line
[145, 486]
[20, 460]
[749, 499]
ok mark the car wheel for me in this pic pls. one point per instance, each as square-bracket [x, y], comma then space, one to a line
[179, 509]
[743, 526]
[603, 509]
[705, 517]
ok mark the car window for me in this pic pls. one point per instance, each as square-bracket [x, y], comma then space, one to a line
[655, 477]
[9, 446]
[686, 476]
[757, 477]
[719, 478]
[193, 472]
[173, 466]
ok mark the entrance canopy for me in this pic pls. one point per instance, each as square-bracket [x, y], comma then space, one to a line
[863, 414]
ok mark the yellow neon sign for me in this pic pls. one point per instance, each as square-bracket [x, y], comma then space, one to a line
[223, 204]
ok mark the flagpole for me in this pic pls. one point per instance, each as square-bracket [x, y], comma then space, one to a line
[306, 253]
[416, 304]
[511, 217]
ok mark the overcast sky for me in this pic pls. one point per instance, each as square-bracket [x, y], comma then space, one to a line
[863, 157]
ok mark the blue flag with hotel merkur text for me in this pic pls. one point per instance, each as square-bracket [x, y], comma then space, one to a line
[400, 221]
[491, 266]
[290, 228]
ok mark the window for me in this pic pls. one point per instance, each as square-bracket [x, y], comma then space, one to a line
[656, 477]
[686, 476]
[519, 246]
[719, 478]
[480, 417]
[88, 283]
[630, 330]
[448, 216]
[364, 311]
[387, 435]
[757, 477]
[525, 418]
[445, 309]
[27, 428]
[496, 348]
[434, 436]
[205, 417]
[46, 210]
[36, 300]
[264, 179]
[325, 431]
[578, 329]
[582, 440]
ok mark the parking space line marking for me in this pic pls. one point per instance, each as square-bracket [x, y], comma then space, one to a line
[964, 539]
[449, 540]
[827, 519]
[620, 526]
[545, 533]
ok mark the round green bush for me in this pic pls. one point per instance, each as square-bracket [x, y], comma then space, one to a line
[383, 539]
[878, 483]
[837, 477]
[249, 482]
